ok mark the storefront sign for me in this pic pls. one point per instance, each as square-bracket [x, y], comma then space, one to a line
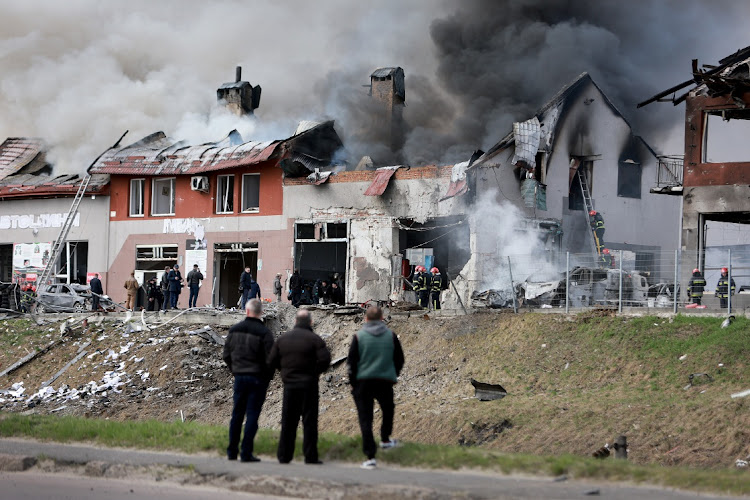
[29, 221]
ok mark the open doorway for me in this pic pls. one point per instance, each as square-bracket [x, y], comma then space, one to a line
[150, 261]
[73, 262]
[320, 254]
[442, 242]
[230, 260]
[6, 263]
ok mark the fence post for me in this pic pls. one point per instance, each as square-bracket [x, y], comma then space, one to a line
[619, 307]
[567, 282]
[512, 286]
[729, 283]
[676, 285]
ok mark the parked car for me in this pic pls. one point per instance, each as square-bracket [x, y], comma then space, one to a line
[61, 297]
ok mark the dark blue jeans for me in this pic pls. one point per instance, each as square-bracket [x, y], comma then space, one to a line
[249, 395]
[245, 297]
[193, 295]
[173, 296]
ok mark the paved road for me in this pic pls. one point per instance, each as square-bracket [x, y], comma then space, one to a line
[335, 480]
[38, 486]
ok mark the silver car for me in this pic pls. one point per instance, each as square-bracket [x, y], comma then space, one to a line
[61, 297]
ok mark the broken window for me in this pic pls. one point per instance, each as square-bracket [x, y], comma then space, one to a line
[225, 194]
[251, 192]
[336, 230]
[72, 265]
[155, 257]
[162, 199]
[305, 232]
[136, 197]
[629, 179]
[725, 139]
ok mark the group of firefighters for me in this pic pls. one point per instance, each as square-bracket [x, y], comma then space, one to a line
[427, 287]
[724, 288]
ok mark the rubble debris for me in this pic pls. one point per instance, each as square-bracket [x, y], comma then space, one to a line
[208, 334]
[488, 392]
[741, 394]
[602, 452]
[18, 364]
[740, 464]
[693, 377]
[493, 298]
[348, 310]
[727, 322]
[621, 447]
[81, 353]
[336, 362]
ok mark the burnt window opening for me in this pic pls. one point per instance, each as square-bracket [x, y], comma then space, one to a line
[575, 195]
[629, 179]
[725, 136]
[336, 230]
[446, 240]
[72, 265]
[251, 192]
[305, 232]
[225, 194]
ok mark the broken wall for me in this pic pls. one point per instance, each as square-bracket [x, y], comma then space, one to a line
[373, 220]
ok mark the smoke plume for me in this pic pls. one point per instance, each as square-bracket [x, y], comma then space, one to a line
[81, 72]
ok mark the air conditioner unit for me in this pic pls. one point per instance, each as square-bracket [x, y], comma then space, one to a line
[199, 183]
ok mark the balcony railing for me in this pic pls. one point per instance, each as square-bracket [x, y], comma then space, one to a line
[669, 172]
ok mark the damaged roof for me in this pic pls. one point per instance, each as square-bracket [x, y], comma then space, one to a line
[730, 76]
[157, 154]
[25, 172]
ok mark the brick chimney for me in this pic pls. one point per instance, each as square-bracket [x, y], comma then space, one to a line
[240, 97]
[387, 86]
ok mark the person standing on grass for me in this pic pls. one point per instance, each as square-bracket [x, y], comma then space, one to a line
[301, 356]
[246, 348]
[375, 360]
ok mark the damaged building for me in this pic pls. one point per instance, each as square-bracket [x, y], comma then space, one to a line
[291, 203]
[712, 181]
[34, 203]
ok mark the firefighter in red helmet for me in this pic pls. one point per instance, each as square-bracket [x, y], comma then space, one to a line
[597, 225]
[724, 288]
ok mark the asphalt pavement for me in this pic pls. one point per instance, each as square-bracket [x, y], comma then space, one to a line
[330, 480]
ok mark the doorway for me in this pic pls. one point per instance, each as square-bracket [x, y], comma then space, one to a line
[6, 263]
[230, 260]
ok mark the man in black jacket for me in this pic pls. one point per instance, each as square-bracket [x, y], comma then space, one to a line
[246, 349]
[96, 291]
[301, 356]
[375, 360]
[250, 289]
[295, 287]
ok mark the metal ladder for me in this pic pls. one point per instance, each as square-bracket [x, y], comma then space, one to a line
[588, 207]
[61, 238]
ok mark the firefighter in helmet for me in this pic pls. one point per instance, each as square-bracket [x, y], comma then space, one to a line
[415, 282]
[608, 260]
[597, 225]
[695, 286]
[424, 287]
[436, 284]
[724, 288]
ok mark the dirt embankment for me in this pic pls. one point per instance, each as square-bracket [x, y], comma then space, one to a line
[573, 384]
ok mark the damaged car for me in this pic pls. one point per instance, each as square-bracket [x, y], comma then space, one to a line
[61, 297]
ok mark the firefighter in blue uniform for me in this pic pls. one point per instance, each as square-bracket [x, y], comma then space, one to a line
[424, 288]
[725, 287]
[597, 225]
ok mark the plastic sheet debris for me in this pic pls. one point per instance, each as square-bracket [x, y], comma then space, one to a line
[741, 394]
[488, 392]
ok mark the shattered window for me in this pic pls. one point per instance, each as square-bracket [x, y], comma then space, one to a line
[725, 137]
[250, 192]
[305, 231]
[162, 199]
[136, 197]
[629, 179]
[225, 194]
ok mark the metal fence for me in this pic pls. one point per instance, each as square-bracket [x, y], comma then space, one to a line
[622, 279]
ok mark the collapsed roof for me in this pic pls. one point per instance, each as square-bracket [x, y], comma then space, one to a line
[731, 76]
[313, 146]
[24, 170]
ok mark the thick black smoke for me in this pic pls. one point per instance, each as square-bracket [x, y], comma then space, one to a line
[500, 61]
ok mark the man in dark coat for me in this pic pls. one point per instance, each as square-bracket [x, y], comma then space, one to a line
[337, 294]
[165, 288]
[194, 279]
[295, 286]
[301, 356]
[250, 289]
[175, 285]
[375, 360]
[96, 291]
[154, 295]
[246, 349]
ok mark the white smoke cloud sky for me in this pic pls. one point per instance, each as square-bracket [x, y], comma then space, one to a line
[81, 72]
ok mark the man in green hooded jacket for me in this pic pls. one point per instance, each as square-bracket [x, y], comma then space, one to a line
[375, 360]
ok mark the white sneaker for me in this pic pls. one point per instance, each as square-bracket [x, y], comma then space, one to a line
[369, 464]
[389, 444]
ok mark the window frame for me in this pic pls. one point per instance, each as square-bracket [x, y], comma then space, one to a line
[626, 171]
[142, 182]
[219, 198]
[173, 182]
[253, 210]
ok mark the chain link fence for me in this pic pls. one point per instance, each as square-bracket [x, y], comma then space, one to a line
[662, 281]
